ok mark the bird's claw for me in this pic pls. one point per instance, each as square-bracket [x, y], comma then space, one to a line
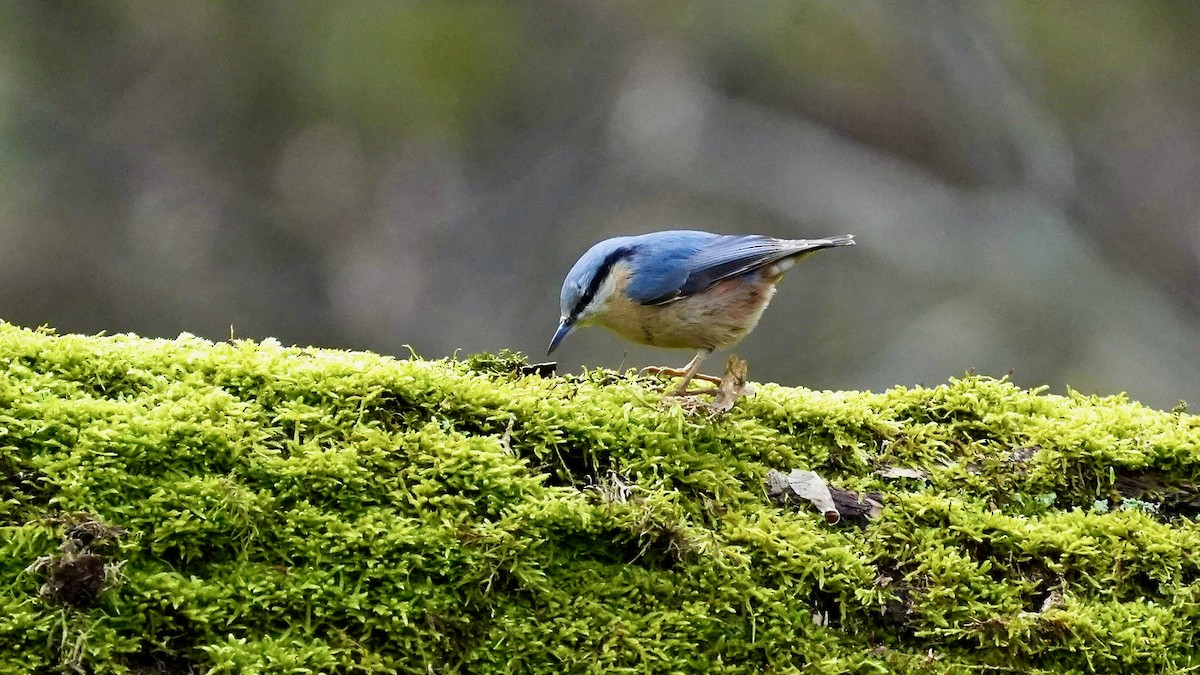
[656, 371]
[711, 391]
[732, 387]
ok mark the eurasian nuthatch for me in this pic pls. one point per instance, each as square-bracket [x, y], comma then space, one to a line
[680, 288]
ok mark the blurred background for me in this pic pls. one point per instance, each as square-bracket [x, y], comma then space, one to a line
[1023, 177]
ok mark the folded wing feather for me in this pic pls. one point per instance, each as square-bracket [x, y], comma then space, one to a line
[726, 257]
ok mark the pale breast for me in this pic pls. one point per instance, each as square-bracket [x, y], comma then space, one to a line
[718, 317]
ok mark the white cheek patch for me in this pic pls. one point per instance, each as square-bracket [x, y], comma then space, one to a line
[602, 296]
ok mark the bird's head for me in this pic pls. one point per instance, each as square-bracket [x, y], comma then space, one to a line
[588, 286]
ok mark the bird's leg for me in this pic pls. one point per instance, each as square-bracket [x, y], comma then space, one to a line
[689, 372]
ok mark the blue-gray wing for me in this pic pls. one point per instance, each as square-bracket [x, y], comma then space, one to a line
[660, 263]
[725, 257]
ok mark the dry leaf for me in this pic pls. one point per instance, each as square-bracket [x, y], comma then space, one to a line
[855, 510]
[733, 385]
[806, 485]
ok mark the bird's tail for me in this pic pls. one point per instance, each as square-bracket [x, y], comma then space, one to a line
[793, 250]
[800, 248]
[829, 242]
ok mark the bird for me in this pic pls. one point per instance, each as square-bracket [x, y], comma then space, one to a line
[682, 289]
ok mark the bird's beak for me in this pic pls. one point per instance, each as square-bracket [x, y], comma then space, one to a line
[564, 328]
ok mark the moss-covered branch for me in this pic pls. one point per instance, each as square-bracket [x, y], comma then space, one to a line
[184, 506]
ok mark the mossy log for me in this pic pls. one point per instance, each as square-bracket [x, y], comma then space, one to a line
[180, 506]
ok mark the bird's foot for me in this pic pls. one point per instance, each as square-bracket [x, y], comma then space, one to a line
[732, 387]
[709, 391]
[657, 371]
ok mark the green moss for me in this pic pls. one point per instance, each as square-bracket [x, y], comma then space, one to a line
[303, 510]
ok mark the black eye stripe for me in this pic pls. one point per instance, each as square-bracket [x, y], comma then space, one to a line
[602, 273]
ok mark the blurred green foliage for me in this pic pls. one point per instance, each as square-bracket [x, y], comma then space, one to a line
[304, 510]
[425, 68]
